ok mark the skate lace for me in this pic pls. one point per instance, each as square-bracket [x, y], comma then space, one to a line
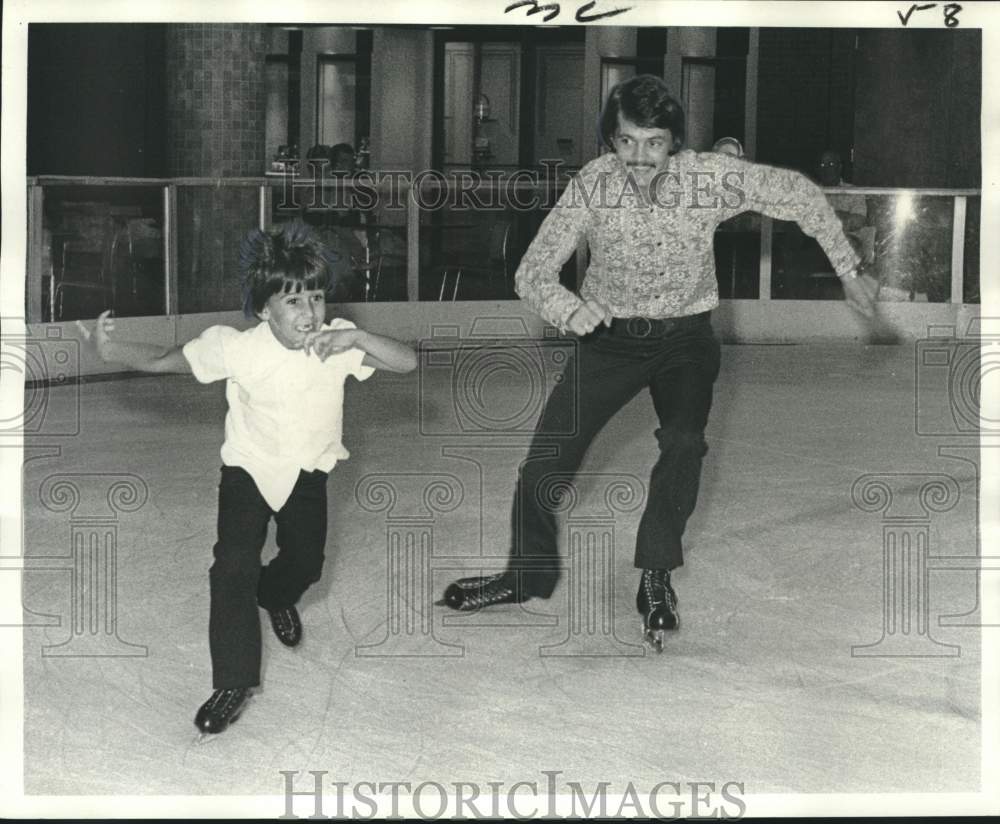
[488, 593]
[478, 582]
[652, 581]
[224, 700]
[656, 584]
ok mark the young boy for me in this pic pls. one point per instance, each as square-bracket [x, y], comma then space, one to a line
[285, 387]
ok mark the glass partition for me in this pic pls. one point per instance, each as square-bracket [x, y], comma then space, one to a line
[904, 239]
[153, 247]
[970, 258]
[474, 232]
[211, 222]
[362, 222]
[101, 248]
[737, 256]
[469, 231]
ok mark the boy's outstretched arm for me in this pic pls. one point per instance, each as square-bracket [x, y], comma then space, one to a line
[380, 352]
[143, 357]
[386, 353]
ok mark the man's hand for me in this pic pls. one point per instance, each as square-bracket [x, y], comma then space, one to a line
[330, 342]
[860, 293]
[99, 338]
[588, 317]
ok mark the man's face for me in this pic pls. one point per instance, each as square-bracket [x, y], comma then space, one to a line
[293, 315]
[644, 151]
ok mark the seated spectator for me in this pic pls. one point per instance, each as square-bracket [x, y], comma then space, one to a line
[852, 209]
[729, 146]
[342, 157]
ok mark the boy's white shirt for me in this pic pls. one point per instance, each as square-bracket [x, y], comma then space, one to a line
[286, 408]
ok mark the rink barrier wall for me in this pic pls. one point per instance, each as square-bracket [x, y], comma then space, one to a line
[735, 322]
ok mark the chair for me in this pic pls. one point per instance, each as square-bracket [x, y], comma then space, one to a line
[140, 241]
[380, 249]
[85, 266]
[498, 255]
[369, 263]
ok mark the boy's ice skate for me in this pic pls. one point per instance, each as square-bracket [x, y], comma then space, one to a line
[657, 603]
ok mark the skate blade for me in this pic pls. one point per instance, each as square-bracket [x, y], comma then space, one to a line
[205, 737]
[653, 639]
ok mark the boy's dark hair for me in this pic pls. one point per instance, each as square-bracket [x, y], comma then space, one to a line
[287, 258]
[646, 101]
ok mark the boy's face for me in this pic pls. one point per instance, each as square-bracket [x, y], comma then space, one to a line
[293, 315]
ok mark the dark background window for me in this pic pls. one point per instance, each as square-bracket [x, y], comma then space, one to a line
[96, 99]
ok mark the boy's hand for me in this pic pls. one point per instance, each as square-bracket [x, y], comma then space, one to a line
[100, 337]
[330, 342]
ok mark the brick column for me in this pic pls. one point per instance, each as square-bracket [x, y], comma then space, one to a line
[215, 128]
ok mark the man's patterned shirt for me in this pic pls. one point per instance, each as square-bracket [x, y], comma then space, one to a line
[651, 254]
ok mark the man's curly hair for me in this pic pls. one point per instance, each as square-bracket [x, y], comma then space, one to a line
[645, 101]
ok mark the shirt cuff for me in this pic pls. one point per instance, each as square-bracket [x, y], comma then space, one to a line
[561, 318]
[847, 266]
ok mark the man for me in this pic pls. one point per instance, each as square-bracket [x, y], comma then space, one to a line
[648, 211]
[729, 146]
[831, 169]
[342, 158]
[852, 209]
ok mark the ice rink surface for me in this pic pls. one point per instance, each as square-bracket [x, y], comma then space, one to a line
[804, 663]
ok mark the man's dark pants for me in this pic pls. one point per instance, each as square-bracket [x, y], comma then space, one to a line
[237, 581]
[678, 361]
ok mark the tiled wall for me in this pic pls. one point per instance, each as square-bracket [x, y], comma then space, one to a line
[215, 100]
[216, 128]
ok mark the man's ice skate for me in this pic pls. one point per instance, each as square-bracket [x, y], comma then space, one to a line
[221, 710]
[657, 603]
[467, 594]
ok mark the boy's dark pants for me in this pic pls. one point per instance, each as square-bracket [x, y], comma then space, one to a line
[678, 365]
[239, 584]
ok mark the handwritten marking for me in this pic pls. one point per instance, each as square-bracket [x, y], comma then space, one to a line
[552, 8]
[583, 12]
[950, 12]
[583, 17]
[906, 19]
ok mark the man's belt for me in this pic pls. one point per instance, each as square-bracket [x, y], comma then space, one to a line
[642, 327]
